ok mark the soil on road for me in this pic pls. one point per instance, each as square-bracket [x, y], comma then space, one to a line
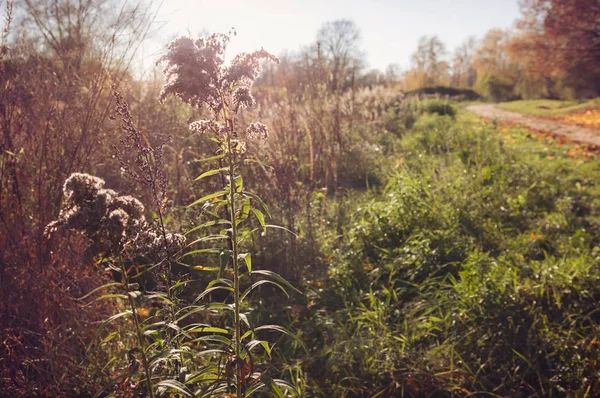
[573, 133]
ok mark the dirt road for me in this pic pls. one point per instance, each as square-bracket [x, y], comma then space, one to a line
[574, 133]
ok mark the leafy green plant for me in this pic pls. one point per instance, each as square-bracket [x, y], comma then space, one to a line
[208, 345]
[441, 107]
[472, 271]
[196, 74]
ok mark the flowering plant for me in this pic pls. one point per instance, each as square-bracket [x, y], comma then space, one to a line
[180, 352]
[196, 73]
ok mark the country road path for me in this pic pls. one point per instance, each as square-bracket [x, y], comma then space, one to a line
[573, 133]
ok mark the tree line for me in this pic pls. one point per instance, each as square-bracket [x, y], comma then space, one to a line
[552, 52]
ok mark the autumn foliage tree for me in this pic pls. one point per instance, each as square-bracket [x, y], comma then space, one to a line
[553, 53]
[561, 39]
[463, 70]
[429, 66]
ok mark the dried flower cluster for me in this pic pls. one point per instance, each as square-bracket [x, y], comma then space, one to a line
[196, 74]
[115, 223]
[257, 130]
[147, 167]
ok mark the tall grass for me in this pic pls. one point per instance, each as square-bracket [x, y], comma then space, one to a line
[472, 272]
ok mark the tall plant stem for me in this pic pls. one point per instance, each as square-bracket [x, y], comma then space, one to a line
[159, 203]
[236, 276]
[138, 331]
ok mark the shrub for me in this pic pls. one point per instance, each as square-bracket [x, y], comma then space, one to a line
[441, 107]
[400, 115]
[454, 93]
[496, 88]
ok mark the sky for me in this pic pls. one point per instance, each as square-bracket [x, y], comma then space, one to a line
[390, 29]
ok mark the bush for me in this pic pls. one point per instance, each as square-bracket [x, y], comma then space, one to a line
[496, 88]
[457, 94]
[441, 107]
[400, 115]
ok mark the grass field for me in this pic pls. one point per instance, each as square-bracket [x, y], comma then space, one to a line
[474, 270]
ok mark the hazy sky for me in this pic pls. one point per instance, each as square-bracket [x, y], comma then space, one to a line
[390, 28]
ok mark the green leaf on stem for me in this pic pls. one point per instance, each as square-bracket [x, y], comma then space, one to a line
[207, 238]
[208, 197]
[262, 282]
[107, 322]
[216, 157]
[258, 200]
[212, 289]
[208, 224]
[175, 385]
[276, 277]
[211, 173]
[239, 183]
[244, 213]
[224, 258]
[247, 259]
[199, 251]
[260, 217]
[100, 288]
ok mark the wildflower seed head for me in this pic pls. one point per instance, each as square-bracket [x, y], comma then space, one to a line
[242, 98]
[193, 70]
[245, 67]
[130, 205]
[152, 244]
[81, 187]
[175, 242]
[195, 73]
[105, 198]
[257, 130]
[114, 223]
[205, 126]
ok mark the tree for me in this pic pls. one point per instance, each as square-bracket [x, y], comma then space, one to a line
[530, 56]
[463, 71]
[340, 43]
[428, 60]
[563, 38]
[392, 74]
[490, 56]
[372, 78]
[497, 76]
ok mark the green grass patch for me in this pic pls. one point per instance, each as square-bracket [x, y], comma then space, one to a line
[474, 270]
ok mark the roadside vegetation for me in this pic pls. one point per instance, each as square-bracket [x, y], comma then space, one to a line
[309, 230]
[472, 270]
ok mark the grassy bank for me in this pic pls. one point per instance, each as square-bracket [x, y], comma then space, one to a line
[473, 271]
